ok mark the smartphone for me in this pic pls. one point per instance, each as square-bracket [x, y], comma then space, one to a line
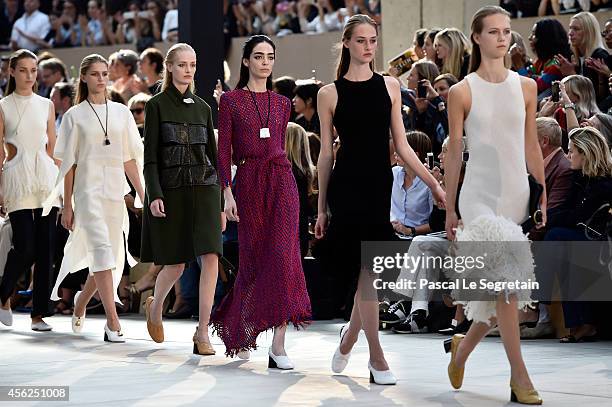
[421, 90]
[466, 156]
[430, 160]
[555, 91]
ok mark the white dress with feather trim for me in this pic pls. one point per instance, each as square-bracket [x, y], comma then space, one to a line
[494, 197]
[101, 223]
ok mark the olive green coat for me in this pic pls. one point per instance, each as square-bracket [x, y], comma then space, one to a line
[192, 225]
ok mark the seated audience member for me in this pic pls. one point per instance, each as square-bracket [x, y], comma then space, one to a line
[411, 199]
[591, 160]
[548, 38]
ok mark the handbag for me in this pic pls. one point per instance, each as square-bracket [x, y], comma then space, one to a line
[535, 194]
[598, 226]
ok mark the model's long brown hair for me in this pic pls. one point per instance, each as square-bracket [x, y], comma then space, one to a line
[82, 91]
[477, 27]
[345, 56]
[15, 58]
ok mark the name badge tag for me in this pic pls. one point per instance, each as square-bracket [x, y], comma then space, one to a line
[264, 133]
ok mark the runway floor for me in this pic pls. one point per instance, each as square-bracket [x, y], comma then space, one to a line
[144, 373]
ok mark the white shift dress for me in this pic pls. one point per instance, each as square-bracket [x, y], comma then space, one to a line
[100, 215]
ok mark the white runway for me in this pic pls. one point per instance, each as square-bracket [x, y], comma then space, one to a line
[144, 373]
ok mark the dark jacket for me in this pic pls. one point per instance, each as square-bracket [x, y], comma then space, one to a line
[180, 158]
[587, 194]
[558, 176]
[559, 179]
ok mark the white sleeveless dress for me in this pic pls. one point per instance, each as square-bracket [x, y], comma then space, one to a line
[494, 197]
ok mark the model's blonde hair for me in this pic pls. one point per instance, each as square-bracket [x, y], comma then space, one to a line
[458, 46]
[82, 91]
[297, 147]
[169, 60]
[582, 87]
[593, 146]
[591, 39]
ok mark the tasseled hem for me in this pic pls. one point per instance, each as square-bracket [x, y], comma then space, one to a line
[30, 175]
[221, 329]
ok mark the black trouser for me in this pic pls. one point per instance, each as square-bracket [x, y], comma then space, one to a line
[33, 243]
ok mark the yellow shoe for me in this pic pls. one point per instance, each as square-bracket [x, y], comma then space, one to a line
[524, 396]
[455, 374]
[202, 348]
[156, 331]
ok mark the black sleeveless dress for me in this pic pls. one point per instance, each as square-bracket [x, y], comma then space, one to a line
[359, 191]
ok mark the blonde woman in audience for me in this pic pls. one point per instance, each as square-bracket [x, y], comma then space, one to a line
[453, 48]
[590, 58]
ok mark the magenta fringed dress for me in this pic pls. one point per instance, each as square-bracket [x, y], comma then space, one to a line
[270, 288]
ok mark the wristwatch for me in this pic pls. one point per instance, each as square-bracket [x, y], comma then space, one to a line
[570, 106]
[412, 231]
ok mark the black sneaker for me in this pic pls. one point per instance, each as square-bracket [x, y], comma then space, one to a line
[416, 323]
[456, 328]
[397, 312]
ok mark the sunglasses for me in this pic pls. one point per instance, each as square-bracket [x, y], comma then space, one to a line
[138, 110]
[605, 33]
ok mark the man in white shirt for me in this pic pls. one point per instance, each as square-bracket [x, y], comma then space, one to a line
[30, 30]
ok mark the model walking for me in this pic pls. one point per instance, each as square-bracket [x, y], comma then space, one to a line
[98, 145]
[497, 109]
[363, 107]
[183, 220]
[27, 138]
[270, 290]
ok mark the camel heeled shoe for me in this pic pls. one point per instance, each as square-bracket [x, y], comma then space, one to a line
[455, 374]
[202, 348]
[524, 396]
[156, 331]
